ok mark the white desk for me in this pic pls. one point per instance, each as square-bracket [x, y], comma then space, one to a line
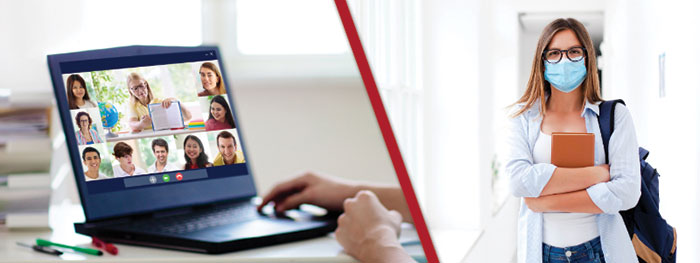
[151, 133]
[322, 249]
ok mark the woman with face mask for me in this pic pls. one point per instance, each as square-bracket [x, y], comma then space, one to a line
[570, 214]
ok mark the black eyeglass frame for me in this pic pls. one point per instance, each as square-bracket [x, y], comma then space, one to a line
[561, 56]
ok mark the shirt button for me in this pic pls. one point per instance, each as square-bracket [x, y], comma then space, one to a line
[568, 254]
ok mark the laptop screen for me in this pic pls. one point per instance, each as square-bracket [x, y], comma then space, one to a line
[150, 128]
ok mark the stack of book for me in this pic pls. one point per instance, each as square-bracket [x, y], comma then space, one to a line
[25, 160]
[196, 125]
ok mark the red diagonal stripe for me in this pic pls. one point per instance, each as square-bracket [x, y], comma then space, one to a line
[386, 130]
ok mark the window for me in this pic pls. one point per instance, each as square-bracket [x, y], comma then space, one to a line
[130, 22]
[289, 26]
[249, 33]
[390, 35]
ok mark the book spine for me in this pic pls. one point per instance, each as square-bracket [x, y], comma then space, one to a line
[27, 220]
[35, 180]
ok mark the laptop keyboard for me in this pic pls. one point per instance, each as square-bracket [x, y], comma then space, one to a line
[199, 220]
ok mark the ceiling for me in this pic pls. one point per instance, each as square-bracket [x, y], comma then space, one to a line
[535, 22]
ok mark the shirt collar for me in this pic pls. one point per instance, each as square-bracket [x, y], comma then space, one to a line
[590, 106]
[535, 108]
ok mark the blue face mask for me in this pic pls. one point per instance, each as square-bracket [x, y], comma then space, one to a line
[565, 75]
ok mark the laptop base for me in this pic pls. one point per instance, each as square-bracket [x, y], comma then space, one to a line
[222, 239]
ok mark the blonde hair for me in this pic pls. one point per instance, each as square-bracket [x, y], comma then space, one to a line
[135, 76]
[538, 88]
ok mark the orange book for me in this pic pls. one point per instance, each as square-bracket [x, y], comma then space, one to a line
[573, 150]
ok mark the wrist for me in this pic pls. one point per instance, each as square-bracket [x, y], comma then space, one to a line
[547, 204]
[354, 188]
[381, 245]
[603, 174]
[597, 175]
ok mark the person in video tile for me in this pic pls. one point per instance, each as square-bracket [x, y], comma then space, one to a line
[211, 80]
[220, 116]
[122, 152]
[76, 92]
[194, 153]
[140, 95]
[160, 150]
[91, 159]
[228, 150]
[86, 135]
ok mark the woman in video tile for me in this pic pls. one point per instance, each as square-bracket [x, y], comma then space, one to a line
[194, 153]
[78, 97]
[220, 116]
[211, 80]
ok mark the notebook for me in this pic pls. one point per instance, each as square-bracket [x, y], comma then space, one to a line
[573, 150]
[166, 118]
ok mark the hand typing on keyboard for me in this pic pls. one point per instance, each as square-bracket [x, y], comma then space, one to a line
[367, 229]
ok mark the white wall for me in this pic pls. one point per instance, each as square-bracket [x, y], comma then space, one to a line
[666, 126]
[451, 142]
[33, 29]
[27, 40]
[319, 124]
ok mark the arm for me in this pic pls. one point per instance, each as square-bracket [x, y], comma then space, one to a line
[573, 202]
[330, 193]
[624, 188]
[621, 192]
[137, 125]
[391, 197]
[369, 232]
[527, 179]
[186, 115]
[566, 180]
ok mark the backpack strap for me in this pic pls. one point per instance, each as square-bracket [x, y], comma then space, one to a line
[606, 121]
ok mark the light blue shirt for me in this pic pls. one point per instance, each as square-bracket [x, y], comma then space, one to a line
[622, 192]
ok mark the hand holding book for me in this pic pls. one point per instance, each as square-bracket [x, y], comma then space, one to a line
[166, 115]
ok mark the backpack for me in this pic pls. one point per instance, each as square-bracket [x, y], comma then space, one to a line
[654, 240]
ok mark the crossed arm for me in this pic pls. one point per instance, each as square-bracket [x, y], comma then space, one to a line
[546, 187]
[566, 190]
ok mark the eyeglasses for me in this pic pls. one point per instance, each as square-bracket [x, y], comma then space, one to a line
[574, 54]
[139, 87]
[84, 121]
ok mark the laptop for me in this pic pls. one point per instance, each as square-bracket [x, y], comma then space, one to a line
[159, 156]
